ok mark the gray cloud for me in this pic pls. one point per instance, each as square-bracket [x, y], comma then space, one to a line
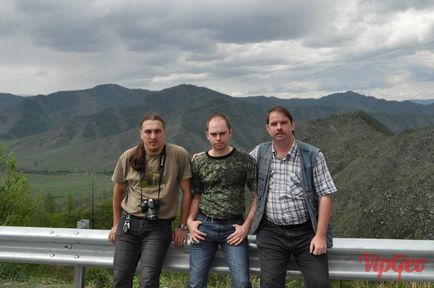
[281, 48]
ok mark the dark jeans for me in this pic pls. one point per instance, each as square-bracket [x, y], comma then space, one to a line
[276, 244]
[202, 254]
[149, 240]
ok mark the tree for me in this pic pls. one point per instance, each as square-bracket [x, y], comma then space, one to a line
[49, 203]
[17, 207]
[69, 203]
[104, 211]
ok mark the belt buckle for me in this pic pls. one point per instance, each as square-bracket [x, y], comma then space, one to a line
[210, 219]
[220, 221]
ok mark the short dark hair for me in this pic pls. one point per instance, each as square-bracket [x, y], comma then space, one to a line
[218, 115]
[279, 109]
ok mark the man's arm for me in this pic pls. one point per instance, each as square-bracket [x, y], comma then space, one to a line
[251, 214]
[241, 231]
[192, 223]
[318, 245]
[118, 195]
[181, 235]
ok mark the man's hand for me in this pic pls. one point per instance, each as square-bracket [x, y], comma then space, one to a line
[318, 245]
[112, 234]
[179, 237]
[195, 234]
[238, 236]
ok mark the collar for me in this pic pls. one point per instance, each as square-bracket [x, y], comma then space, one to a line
[291, 153]
[221, 157]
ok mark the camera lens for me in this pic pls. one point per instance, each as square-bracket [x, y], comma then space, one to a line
[150, 208]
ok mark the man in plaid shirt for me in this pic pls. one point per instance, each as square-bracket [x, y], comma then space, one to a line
[293, 205]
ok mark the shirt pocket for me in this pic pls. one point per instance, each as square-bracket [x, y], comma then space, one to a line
[288, 185]
[295, 186]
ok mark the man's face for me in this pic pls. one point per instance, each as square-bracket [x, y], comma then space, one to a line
[153, 136]
[280, 127]
[218, 134]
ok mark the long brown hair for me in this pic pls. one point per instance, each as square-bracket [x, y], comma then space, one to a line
[137, 159]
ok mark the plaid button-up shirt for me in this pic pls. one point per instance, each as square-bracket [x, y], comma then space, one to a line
[285, 204]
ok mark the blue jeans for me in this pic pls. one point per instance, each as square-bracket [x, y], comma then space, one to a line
[202, 254]
[146, 239]
[276, 244]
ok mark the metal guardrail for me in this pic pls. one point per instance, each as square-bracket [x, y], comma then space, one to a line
[350, 258]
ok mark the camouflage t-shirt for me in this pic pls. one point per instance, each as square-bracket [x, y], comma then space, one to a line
[221, 182]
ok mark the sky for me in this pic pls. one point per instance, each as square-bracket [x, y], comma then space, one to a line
[281, 48]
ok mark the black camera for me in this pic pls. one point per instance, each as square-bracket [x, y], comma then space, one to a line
[150, 208]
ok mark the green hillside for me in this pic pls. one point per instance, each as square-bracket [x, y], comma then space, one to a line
[385, 183]
[79, 185]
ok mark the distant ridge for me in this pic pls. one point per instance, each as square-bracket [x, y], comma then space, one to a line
[7, 100]
[423, 102]
[28, 116]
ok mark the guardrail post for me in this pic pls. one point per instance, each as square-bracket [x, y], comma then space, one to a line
[80, 270]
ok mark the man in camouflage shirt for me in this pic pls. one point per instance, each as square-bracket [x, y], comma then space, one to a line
[219, 177]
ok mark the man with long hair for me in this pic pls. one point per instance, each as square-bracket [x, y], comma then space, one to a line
[147, 180]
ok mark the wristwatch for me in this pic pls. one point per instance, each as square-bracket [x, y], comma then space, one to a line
[183, 227]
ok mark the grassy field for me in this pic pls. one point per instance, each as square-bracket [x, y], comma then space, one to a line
[178, 280]
[80, 185]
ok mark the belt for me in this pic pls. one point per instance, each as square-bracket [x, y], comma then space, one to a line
[133, 216]
[143, 218]
[222, 221]
[291, 226]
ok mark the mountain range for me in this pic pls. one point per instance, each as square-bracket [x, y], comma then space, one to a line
[380, 152]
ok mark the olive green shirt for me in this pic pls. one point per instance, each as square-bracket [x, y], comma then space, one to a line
[177, 168]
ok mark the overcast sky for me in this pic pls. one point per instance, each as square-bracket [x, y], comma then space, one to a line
[282, 48]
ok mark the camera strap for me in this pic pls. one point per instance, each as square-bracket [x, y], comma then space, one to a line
[161, 166]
